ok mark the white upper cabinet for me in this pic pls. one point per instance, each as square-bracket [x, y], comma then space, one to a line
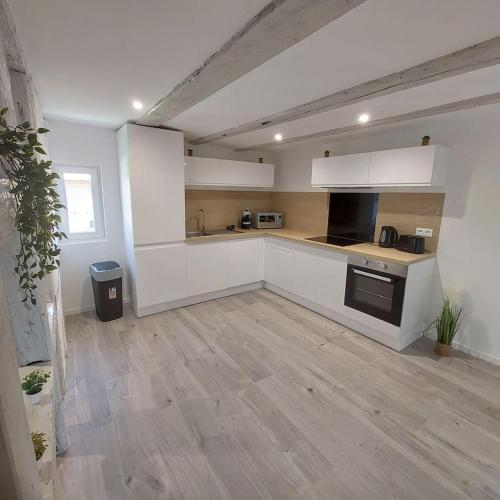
[419, 166]
[349, 170]
[216, 172]
[200, 170]
[152, 182]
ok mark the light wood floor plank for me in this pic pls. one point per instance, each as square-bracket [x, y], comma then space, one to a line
[254, 397]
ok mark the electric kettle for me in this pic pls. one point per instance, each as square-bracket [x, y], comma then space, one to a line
[388, 237]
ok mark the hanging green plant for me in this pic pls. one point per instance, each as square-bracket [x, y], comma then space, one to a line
[36, 202]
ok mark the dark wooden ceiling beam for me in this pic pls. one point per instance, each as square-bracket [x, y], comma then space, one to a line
[279, 25]
[474, 102]
[472, 58]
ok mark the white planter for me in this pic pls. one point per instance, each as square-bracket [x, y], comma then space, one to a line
[34, 399]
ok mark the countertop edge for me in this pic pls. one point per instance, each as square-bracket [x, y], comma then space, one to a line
[297, 238]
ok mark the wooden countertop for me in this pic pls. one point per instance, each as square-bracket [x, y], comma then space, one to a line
[364, 249]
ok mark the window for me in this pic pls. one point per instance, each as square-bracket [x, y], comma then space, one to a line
[80, 191]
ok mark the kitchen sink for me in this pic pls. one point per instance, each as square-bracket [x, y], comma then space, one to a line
[195, 234]
[223, 231]
[212, 232]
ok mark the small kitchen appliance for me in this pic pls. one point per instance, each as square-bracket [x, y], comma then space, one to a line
[376, 288]
[246, 219]
[388, 237]
[267, 220]
[411, 244]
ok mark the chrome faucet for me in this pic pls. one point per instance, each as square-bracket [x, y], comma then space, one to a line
[201, 212]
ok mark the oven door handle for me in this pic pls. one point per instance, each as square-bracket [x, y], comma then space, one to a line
[374, 276]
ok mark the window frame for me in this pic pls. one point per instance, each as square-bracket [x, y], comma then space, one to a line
[97, 200]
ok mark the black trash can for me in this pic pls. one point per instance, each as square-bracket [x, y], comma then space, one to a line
[107, 286]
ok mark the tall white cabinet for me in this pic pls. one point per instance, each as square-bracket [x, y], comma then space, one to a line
[152, 178]
[152, 192]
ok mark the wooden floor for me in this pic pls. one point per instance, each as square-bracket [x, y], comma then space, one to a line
[254, 397]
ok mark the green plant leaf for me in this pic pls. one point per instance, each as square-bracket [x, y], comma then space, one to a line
[36, 203]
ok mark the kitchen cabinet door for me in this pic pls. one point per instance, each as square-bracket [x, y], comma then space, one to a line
[152, 180]
[330, 290]
[206, 267]
[217, 172]
[305, 275]
[245, 261]
[279, 267]
[244, 173]
[421, 166]
[349, 170]
[201, 171]
[160, 274]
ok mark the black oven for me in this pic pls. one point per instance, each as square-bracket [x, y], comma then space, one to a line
[376, 288]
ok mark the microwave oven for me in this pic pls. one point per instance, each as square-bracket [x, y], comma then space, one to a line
[267, 220]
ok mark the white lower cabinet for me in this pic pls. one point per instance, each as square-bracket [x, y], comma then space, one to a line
[206, 267]
[305, 275]
[330, 288]
[279, 267]
[245, 261]
[160, 274]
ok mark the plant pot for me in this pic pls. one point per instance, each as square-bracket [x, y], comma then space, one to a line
[34, 399]
[442, 349]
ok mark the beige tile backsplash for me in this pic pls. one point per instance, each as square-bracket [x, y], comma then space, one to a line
[223, 208]
[309, 211]
[407, 211]
[303, 211]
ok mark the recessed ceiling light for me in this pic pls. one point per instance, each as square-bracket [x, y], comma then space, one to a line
[278, 137]
[364, 118]
[137, 104]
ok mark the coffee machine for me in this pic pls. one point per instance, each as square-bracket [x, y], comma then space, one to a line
[246, 219]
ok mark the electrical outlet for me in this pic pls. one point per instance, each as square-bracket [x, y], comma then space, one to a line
[424, 231]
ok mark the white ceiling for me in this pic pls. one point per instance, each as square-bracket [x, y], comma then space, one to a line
[90, 59]
[468, 85]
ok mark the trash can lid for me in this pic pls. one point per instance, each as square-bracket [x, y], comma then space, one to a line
[105, 271]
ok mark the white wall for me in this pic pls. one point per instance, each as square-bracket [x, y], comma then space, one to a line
[469, 241]
[89, 145]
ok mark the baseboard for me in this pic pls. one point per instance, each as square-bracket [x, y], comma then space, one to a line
[340, 318]
[327, 313]
[189, 301]
[495, 360]
[87, 308]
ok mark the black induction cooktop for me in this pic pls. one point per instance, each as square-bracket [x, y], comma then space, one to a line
[335, 240]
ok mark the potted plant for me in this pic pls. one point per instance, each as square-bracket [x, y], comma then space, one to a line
[32, 385]
[39, 444]
[446, 326]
